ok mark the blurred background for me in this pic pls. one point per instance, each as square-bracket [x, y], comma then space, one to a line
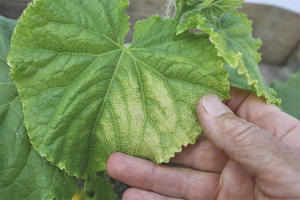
[276, 22]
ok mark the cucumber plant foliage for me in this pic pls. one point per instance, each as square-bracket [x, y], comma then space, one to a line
[85, 94]
[24, 174]
[289, 92]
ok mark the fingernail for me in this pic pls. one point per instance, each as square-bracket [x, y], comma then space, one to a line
[213, 106]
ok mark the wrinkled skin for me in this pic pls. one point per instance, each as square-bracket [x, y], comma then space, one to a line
[252, 151]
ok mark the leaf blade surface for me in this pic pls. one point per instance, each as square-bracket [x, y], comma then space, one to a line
[24, 174]
[86, 95]
[232, 36]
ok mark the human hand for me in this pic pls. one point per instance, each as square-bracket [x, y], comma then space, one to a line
[252, 151]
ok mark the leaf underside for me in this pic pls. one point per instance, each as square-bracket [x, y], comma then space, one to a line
[232, 36]
[236, 79]
[24, 174]
[86, 95]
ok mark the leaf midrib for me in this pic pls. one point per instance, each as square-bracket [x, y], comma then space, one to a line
[2, 58]
[10, 104]
[126, 50]
[102, 106]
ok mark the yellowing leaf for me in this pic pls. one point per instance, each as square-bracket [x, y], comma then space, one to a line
[87, 95]
[232, 36]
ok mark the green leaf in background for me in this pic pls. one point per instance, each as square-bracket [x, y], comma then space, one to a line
[209, 8]
[87, 95]
[194, 2]
[289, 92]
[216, 8]
[7, 27]
[232, 36]
[99, 188]
[24, 174]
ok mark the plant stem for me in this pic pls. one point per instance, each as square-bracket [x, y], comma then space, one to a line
[168, 8]
[179, 13]
[203, 5]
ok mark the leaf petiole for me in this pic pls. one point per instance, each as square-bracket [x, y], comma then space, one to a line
[179, 10]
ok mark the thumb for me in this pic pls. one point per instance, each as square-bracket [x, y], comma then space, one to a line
[254, 149]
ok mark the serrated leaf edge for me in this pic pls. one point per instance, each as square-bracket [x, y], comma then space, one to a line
[238, 60]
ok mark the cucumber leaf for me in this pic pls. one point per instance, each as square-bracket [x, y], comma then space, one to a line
[236, 79]
[24, 174]
[195, 2]
[99, 188]
[232, 36]
[87, 95]
[289, 92]
[215, 8]
[7, 27]
[209, 8]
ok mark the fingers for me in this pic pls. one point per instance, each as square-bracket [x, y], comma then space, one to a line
[138, 194]
[235, 183]
[269, 117]
[254, 149]
[169, 181]
[246, 105]
[203, 155]
[237, 97]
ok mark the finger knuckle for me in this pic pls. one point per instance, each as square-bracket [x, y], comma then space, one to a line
[238, 130]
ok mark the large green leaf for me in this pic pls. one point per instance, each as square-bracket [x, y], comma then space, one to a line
[87, 95]
[232, 36]
[7, 27]
[24, 174]
[289, 92]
